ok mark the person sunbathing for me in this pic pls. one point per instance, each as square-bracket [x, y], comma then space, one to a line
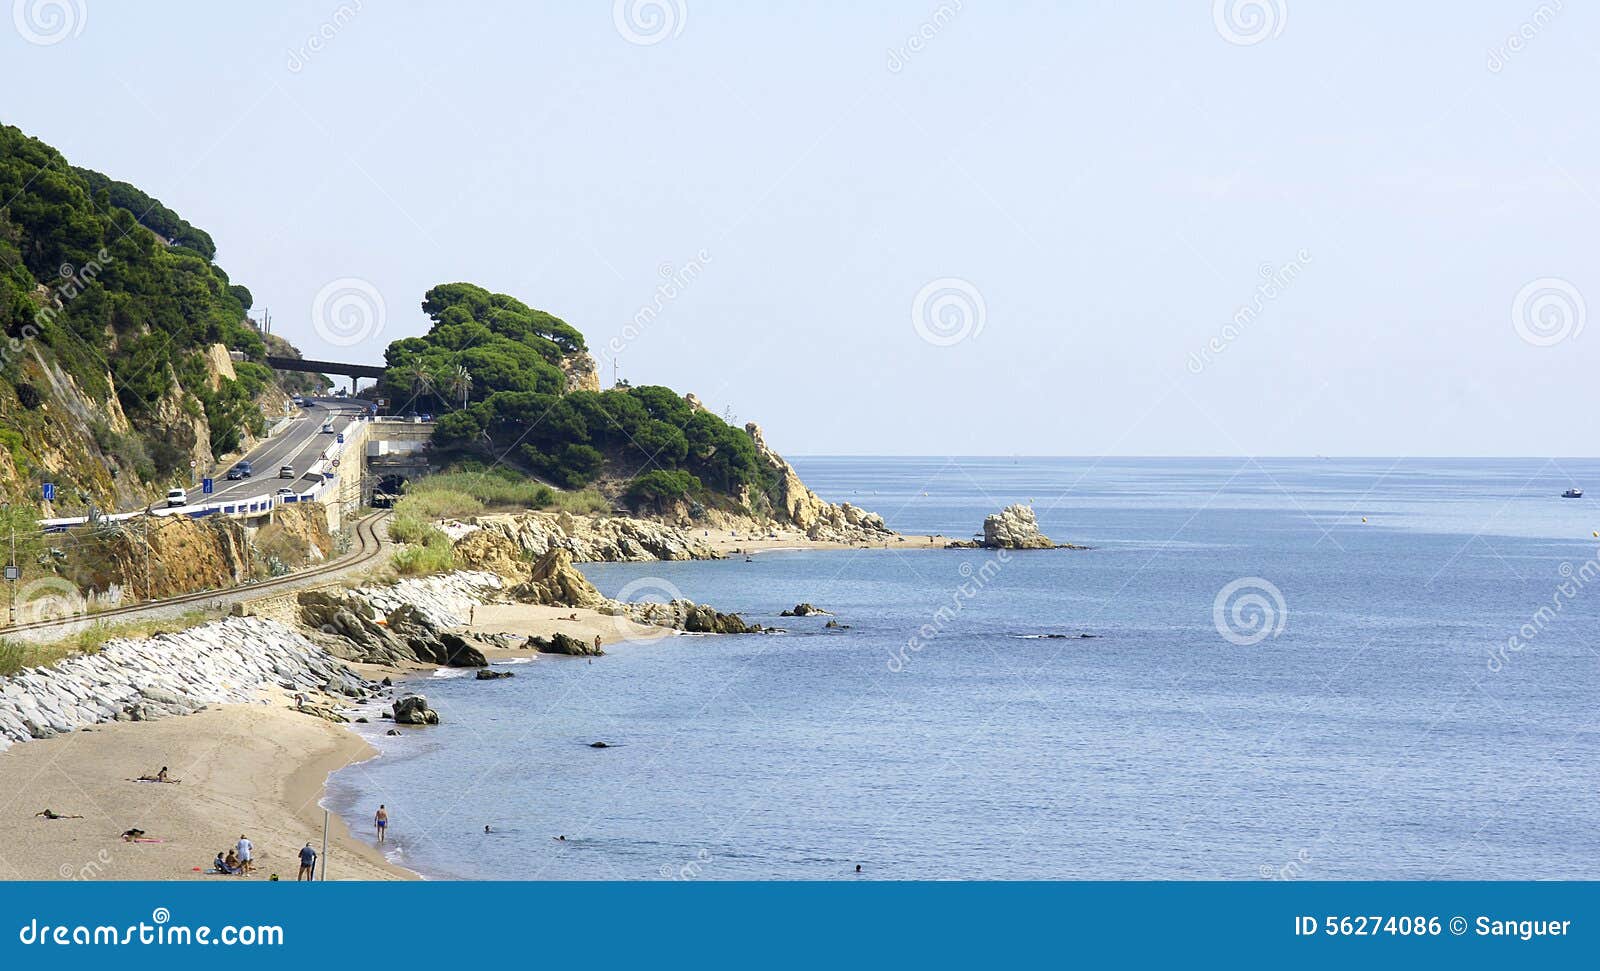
[221, 864]
[130, 835]
[158, 777]
[232, 864]
[51, 814]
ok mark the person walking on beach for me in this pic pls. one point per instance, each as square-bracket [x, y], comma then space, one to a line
[380, 819]
[243, 849]
[308, 863]
[597, 643]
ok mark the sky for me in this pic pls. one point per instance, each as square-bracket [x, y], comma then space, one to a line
[1229, 228]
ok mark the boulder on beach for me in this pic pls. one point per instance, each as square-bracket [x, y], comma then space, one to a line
[485, 674]
[559, 643]
[414, 710]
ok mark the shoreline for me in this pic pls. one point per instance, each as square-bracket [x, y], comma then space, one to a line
[258, 769]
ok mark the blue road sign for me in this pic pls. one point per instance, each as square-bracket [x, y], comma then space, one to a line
[208, 486]
[340, 439]
[49, 491]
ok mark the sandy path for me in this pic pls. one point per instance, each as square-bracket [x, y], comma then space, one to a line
[252, 769]
[731, 542]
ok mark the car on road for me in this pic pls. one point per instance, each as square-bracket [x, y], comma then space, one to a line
[285, 491]
[241, 471]
[286, 472]
[327, 427]
[177, 497]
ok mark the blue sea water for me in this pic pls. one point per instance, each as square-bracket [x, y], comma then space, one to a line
[1363, 713]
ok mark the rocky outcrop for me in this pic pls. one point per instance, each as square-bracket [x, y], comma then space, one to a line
[797, 505]
[581, 372]
[353, 626]
[487, 675]
[590, 539]
[413, 710]
[554, 580]
[559, 643]
[684, 615]
[805, 610]
[1012, 528]
[226, 661]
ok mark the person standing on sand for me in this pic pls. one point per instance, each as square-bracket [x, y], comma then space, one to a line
[380, 819]
[308, 863]
[597, 643]
[243, 849]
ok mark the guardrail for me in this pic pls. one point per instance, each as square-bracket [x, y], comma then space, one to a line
[322, 469]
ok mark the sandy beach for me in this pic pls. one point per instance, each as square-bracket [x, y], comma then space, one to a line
[733, 542]
[252, 769]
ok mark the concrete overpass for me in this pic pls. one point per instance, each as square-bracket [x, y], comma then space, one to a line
[352, 371]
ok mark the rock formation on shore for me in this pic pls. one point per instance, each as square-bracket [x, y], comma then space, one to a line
[818, 519]
[1012, 528]
[590, 539]
[684, 615]
[128, 679]
[413, 710]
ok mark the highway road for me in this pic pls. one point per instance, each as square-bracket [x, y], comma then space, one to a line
[300, 445]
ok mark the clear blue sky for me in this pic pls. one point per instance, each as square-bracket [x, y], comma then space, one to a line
[1112, 179]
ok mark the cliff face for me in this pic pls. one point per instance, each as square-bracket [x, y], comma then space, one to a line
[795, 503]
[581, 371]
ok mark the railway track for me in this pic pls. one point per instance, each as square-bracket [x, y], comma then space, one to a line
[369, 548]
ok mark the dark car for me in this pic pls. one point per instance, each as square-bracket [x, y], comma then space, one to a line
[241, 471]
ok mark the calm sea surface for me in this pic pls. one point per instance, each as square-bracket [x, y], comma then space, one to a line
[1354, 710]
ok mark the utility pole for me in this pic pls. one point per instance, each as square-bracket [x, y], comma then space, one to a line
[13, 574]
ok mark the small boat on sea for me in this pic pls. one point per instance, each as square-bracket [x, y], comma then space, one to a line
[1572, 494]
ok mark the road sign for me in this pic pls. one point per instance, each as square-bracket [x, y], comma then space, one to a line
[49, 491]
[336, 463]
[208, 486]
[13, 572]
[340, 439]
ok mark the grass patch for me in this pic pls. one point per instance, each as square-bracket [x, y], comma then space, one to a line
[16, 655]
[497, 487]
[580, 503]
[432, 555]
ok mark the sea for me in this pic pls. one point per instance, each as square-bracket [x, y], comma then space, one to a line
[1256, 669]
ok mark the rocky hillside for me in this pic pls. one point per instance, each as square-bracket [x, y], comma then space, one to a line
[115, 368]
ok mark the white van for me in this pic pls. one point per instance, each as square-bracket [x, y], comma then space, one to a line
[177, 497]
